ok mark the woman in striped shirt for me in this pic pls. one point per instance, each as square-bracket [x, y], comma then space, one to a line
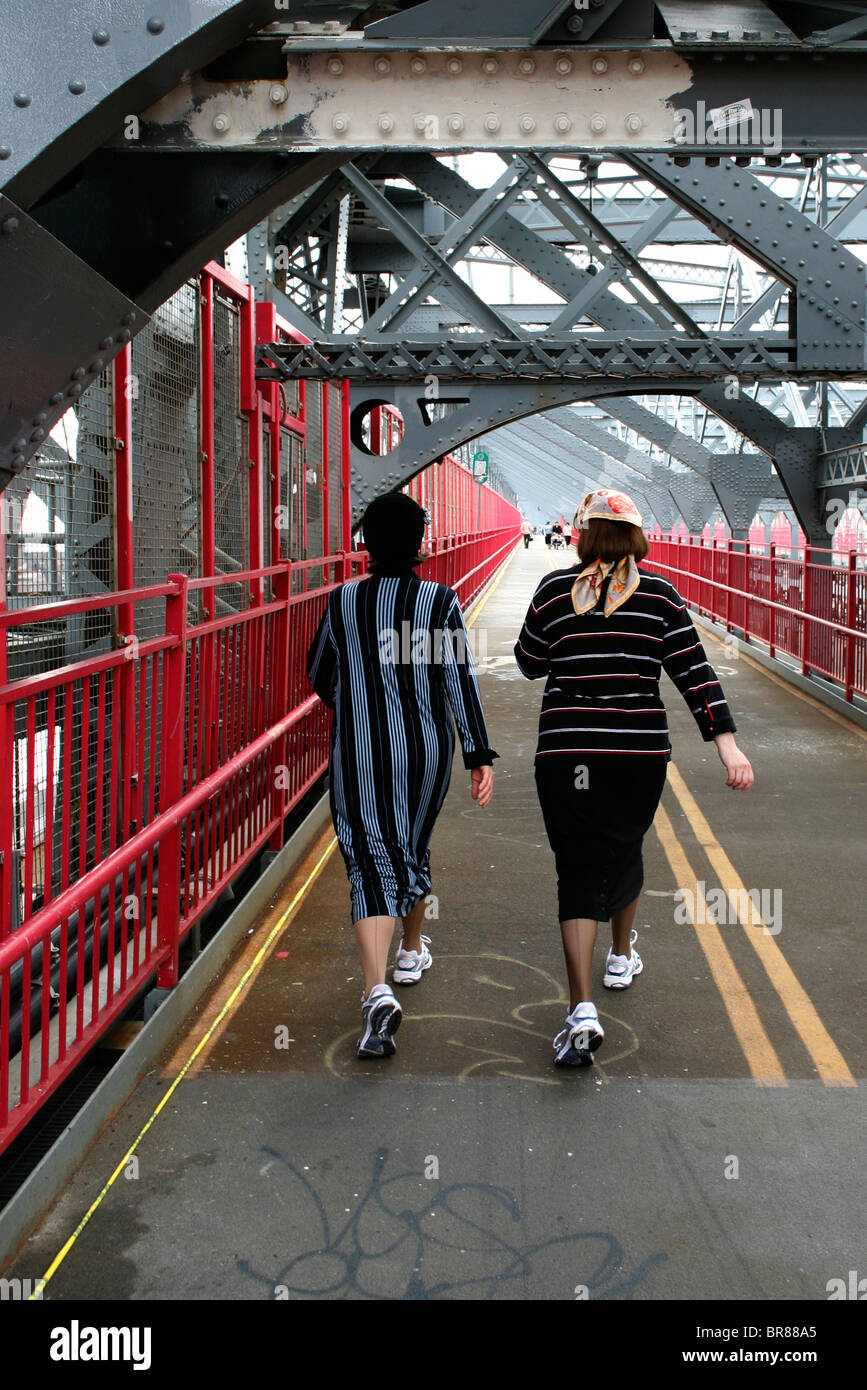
[391, 656]
[601, 633]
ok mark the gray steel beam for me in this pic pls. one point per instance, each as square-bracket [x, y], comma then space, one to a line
[77, 69]
[646, 97]
[829, 304]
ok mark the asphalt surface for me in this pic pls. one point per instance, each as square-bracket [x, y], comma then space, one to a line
[714, 1151]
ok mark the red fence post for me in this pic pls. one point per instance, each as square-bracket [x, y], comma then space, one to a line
[850, 623]
[174, 705]
[279, 658]
[808, 597]
[772, 589]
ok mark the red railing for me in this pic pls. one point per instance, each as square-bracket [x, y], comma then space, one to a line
[809, 609]
[164, 767]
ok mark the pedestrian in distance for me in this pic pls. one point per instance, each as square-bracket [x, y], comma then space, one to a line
[600, 633]
[526, 532]
[392, 657]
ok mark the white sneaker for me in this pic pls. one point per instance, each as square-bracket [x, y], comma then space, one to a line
[619, 970]
[579, 1038]
[410, 965]
[380, 1019]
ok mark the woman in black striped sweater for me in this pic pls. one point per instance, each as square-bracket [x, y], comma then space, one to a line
[601, 633]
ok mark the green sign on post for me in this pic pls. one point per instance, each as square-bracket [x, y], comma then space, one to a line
[480, 466]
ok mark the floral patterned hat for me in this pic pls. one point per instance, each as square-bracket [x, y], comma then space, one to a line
[608, 505]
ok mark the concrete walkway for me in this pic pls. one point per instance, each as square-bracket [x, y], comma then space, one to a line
[714, 1152]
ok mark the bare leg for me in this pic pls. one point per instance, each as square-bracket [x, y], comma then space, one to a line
[412, 925]
[579, 938]
[373, 935]
[621, 926]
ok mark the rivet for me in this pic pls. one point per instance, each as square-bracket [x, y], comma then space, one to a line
[527, 123]
[155, 26]
[5, 151]
[598, 124]
[335, 66]
[454, 66]
[418, 64]
[563, 65]
[382, 64]
[9, 225]
[76, 86]
[124, 335]
[75, 389]
[222, 122]
[599, 65]
[101, 37]
[455, 123]
[490, 65]
[562, 122]
[36, 436]
[18, 461]
[527, 65]
[20, 444]
[278, 94]
[385, 122]
[636, 66]
[633, 123]
[22, 98]
[492, 123]
[78, 374]
[40, 418]
[575, 24]
[96, 366]
[56, 398]
[129, 317]
[340, 123]
[420, 123]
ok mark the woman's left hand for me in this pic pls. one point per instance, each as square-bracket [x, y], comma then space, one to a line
[737, 764]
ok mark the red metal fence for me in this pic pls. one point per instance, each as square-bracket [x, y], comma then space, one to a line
[137, 782]
[810, 608]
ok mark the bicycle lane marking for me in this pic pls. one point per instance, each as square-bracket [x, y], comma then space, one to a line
[827, 1057]
[765, 1066]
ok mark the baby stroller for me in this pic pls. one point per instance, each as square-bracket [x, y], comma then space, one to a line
[557, 541]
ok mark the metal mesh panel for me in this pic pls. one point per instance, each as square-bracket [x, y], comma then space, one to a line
[313, 478]
[292, 501]
[335, 470]
[231, 482]
[165, 450]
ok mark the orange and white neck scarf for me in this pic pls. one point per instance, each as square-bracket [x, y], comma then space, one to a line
[622, 584]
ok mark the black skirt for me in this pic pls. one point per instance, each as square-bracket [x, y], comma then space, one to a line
[597, 809]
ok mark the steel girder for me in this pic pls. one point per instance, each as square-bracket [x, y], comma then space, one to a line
[444, 94]
[592, 465]
[740, 481]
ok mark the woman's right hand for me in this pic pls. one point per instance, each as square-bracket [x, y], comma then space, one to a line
[737, 764]
[482, 784]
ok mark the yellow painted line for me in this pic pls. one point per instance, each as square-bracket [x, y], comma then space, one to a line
[828, 1059]
[239, 970]
[254, 966]
[742, 655]
[761, 1058]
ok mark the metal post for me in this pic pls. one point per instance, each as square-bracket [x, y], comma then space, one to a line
[850, 623]
[172, 779]
[206, 453]
[808, 598]
[772, 612]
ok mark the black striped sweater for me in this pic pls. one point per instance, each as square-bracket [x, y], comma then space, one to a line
[602, 689]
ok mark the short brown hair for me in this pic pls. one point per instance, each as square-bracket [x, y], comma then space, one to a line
[606, 540]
